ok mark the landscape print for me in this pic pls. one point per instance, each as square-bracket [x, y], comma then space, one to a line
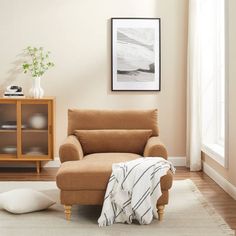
[135, 54]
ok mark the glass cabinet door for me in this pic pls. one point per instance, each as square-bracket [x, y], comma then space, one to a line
[8, 130]
[34, 130]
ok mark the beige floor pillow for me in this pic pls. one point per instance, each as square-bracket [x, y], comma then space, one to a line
[21, 201]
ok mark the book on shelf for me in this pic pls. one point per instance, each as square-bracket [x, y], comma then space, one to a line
[8, 126]
[13, 94]
[11, 125]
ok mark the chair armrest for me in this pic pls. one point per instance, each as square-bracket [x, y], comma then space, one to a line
[71, 149]
[155, 148]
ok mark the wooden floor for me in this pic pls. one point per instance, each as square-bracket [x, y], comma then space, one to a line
[221, 201]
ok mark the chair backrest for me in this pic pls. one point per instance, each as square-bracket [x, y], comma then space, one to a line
[79, 119]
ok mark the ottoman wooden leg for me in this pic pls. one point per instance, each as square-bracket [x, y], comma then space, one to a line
[67, 211]
[160, 211]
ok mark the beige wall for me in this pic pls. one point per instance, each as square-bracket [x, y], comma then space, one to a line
[230, 173]
[78, 35]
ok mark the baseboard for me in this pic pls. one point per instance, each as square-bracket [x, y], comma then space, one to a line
[177, 161]
[55, 163]
[221, 181]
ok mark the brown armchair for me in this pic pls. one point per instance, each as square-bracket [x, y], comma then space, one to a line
[97, 139]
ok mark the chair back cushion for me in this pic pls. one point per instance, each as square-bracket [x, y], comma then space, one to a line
[98, 141]
[112, 119]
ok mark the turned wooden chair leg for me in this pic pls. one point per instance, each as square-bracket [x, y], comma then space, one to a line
[67, 211]
[160, 211]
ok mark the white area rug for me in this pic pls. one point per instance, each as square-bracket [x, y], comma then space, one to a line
[187, 214]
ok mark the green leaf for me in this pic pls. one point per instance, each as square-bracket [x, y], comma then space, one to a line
[37, 62]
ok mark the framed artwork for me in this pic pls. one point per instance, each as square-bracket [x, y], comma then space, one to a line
[136, 54]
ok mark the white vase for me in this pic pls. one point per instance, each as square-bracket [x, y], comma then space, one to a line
[36, 91]
[38, 121]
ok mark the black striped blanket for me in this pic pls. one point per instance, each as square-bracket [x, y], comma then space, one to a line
[133, 190]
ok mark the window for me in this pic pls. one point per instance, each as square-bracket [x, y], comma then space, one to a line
[212, 43]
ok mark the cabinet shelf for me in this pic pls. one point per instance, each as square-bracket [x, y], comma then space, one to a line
[5, 157]
[34, 130]
[26, 157]
[7, 130]
[28, 115]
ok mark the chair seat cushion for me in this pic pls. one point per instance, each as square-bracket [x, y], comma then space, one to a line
[91, 173]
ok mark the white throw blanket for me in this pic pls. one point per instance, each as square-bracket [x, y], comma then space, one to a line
[133, 190]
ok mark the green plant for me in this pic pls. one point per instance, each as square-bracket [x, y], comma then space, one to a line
[37, 61]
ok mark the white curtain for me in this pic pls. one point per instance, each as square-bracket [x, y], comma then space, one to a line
[193, 145]
[205, 76]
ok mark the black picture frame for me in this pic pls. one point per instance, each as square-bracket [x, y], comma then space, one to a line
[136, 54]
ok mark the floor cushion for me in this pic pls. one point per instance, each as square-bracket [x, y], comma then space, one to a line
[19, 201]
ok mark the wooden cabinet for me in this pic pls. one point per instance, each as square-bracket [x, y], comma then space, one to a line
[26, 130]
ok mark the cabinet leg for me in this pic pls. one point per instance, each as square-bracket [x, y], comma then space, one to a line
[38, 166]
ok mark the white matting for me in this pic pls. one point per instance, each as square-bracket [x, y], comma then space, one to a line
[187, 214]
